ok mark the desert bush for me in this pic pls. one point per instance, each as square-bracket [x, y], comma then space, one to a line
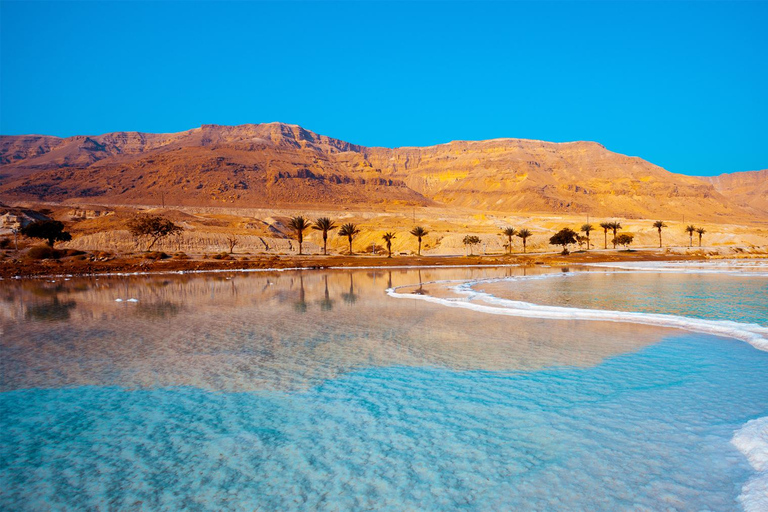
[43, 252]
[156, 255]
[222, 256]
[71, 252]
[152, 227]
[180, 256]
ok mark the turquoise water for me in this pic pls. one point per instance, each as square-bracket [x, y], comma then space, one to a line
[317, 391]
[722, 297]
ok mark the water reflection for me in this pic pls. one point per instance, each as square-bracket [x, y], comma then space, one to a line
[277, 330]
[326, 303]
[53, 311]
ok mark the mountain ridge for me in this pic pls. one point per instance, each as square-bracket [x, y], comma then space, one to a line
[273, 164]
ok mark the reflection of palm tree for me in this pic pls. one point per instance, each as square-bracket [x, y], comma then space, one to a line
[301, 305]
[389, 281]
[420, 291]
[350, 298]
[326, 304]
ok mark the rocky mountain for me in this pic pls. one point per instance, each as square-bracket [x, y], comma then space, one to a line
[747, 189]
[275, 164]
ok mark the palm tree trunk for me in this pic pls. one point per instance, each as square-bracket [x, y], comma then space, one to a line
[699, 240]
[419, 247]
[614, 238]
[389, 250]
[325, 243]
[350, 246]
[605, 243]
[659, 238]
[523, 245]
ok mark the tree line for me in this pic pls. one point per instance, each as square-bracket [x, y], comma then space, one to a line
[154, 228]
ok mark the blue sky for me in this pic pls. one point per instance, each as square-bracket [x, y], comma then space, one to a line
[682, 84]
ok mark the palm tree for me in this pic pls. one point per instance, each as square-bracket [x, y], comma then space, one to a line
[524, 234]
[299, 224]
[325, 225]
[470, 241]
[700, 231]
[606, 226]
[509, 233]
[349, 231]
[691, 229]
[615, 226]
[586, 228]
[658, 225]
[419, 232]
[388, 237]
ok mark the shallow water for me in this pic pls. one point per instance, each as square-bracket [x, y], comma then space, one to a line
[316, 390]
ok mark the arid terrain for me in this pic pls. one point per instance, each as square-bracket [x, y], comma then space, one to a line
[233, 189]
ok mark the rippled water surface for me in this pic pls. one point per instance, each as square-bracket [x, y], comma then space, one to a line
[316, 390]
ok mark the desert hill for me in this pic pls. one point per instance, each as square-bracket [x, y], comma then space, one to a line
[279, 165]
[747, 189]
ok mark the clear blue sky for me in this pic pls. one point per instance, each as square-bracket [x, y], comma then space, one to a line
[681, 84]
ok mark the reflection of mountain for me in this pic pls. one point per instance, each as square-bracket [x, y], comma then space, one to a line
[241, 332]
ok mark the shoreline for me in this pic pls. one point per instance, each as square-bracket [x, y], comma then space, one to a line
[139, 265]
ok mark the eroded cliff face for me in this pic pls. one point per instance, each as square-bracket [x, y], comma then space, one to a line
[275, 164]
[747, 189]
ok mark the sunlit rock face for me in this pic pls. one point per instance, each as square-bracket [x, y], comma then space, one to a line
[276, 164]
